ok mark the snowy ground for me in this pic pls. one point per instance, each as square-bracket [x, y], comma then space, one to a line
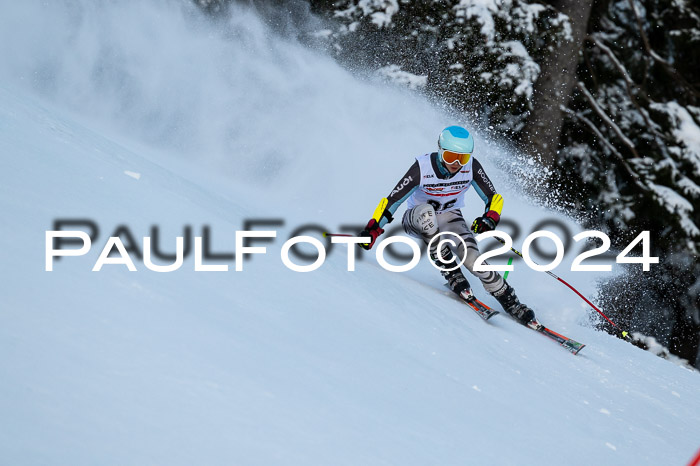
[269, 366]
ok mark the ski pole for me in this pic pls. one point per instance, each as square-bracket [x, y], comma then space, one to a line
[622, 332]
[334, 234]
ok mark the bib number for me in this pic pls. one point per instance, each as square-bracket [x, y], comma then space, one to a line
[442, 207]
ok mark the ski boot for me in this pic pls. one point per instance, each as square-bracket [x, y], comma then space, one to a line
[457, 282]
[512, 305]
[455, 278]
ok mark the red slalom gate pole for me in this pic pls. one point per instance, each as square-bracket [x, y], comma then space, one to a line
[695, 461]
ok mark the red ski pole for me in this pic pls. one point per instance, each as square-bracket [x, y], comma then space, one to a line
[622, 332]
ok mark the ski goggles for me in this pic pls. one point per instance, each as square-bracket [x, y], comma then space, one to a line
[450, 157]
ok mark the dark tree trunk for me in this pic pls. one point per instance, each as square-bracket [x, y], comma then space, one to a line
[555, 84]
[685, 338]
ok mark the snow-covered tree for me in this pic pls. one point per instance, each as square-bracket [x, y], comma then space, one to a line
[553, 88]
[631, 153]
[628, 156]
[480, 57]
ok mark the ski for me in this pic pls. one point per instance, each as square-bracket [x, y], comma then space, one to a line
[571, 345]
[477, 306]
[486, 313]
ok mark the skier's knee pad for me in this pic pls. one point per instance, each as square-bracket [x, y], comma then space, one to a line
[421, 221]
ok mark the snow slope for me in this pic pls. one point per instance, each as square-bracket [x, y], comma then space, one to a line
[266, 365]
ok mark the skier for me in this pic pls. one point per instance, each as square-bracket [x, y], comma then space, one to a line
[434, 187]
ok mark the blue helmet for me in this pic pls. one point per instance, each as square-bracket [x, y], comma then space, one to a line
[456, 139]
